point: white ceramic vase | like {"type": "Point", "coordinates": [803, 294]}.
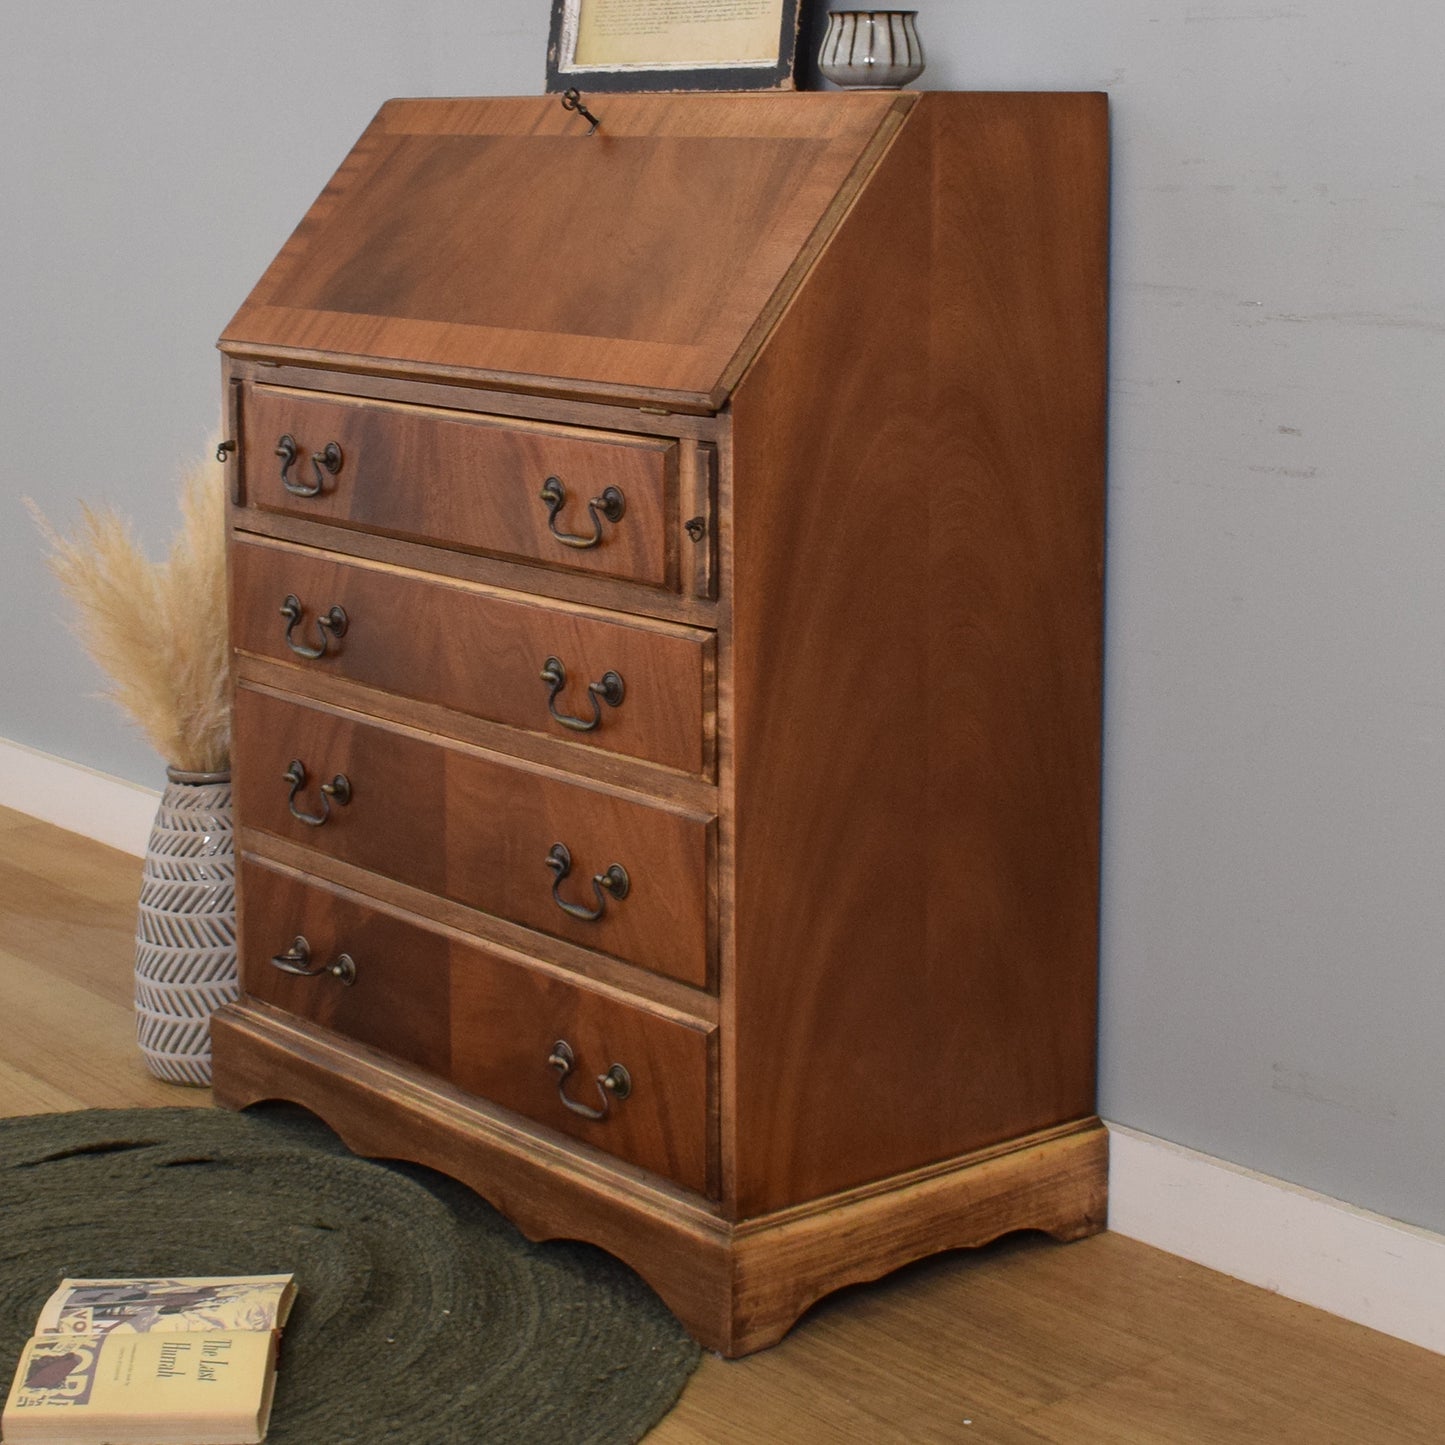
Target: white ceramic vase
{"type": "Point", "coordinates": [185, 961]}
{"type": "Point", "coordinates": [874, 49]}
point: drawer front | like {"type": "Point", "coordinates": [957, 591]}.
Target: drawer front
{"type": "Point", "coordinates": [473, 483]}
{"type": "Point", "coordinates": [481, 831]}
{"type": "Point", "coordinates": [483, 1019]}
{"type": "Point", "coordinates": [636, 690]}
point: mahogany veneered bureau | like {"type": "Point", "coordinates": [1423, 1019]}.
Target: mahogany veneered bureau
{"type": "Point", "coordinates": [666, 570]}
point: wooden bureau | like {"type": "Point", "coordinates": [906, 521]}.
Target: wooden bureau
{"type": "Point", "coordinates": [666, 580]}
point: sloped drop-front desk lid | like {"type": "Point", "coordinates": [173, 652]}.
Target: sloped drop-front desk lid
{"type": "Point", "coordinates": [495, 242]}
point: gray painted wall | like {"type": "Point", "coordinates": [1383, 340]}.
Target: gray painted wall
{"type": "Point", "coordinates": [1275, 794]}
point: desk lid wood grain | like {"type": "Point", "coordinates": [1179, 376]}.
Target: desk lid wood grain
{"type": "Point", "coordinates": [495, 241]}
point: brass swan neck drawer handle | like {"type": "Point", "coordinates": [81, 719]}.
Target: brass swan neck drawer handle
{"type": "Point", "coordinates": [613, 883]}
{"type": "Point", "coordinates": [297, 960]}
{"type": "Point", "coordinates": [610, 690]}
{"type": "Point", "coordinates": [616, 1083]}
{"type": "Point", "coordinates": [611, 504]}
{"type": "Point", "coordinates": [329, 458]}
{"type": "Point", "coordinates": [330, 625]}
{"type": "Point", "coordinates": [286, 450]}
{"type": "Point", "coordinates": [337, 790]}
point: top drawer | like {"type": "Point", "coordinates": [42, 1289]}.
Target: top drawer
{"type": "Point", "coordinates": [589, 501]}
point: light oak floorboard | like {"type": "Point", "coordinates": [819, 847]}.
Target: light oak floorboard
{"type": "Point", "coordinates": [1105, 1340]}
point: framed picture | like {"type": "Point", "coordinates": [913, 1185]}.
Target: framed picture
{"type": "Point", "coordinates": [672, 45]}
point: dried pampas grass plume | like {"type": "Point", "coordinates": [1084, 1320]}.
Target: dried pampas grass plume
{"type": "Point", "coordinates": [157, 629]}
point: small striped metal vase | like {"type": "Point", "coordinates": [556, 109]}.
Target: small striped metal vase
{"type": "Point", "coordinates": [185, 956]}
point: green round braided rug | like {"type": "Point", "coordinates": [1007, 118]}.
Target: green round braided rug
{"type": "Point", "coordinates": [421, 1316]}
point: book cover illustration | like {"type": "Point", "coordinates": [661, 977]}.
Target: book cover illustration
{"type": "Point", "coordinates": [140, 1306]}
{"type": "Point", "coordinates": [57, 1372]}
{"type": "Point", "coordinates": [155, 1371]}
{"type": "Point", "coordinates": [186, 1360]}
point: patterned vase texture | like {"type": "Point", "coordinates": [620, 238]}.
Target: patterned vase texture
{"type": "Point", "coordinates": [185, 958]}
{"type": "Point", "coordinates": [874, 49]}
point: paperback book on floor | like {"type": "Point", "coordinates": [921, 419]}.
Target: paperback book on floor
{"type": "Point", "coordinates": [151, 1361]}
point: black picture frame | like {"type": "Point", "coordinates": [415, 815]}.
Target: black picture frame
{"type": "Point", "coordinates": [563, 73]}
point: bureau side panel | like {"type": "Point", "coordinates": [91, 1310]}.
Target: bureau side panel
{"type": "Point", "coordinates": [913, 665]}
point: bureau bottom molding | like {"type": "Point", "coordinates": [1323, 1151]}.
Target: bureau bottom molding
{"type": "Point", "coordinates": [737, 1286]}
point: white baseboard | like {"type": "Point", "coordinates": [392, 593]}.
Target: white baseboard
{"type": "Point", "coordinates": [1300, 1244]}
{"type": "Point", "coordinates": [1305, 1246]}
{"type": "Point", "coordinates": [77, 798]}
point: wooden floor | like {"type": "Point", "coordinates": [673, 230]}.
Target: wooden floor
{"type": "Point", "coordinates": [1105, 1340]}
